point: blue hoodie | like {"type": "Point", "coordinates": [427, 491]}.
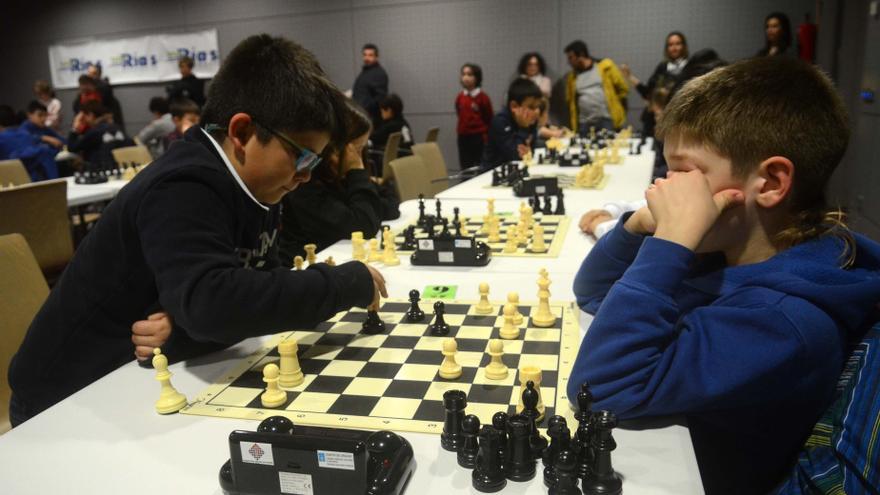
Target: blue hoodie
{"type": "Point", "coordinates": [750, 354]}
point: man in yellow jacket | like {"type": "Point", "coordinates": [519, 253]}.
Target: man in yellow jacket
{"type": "Point", "coordinates": [595, 91]}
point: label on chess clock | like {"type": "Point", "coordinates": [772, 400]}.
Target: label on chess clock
{"type": "Point", "coordinates": [445, 257]}
{"type": "Point", "coordinates": [295, 483]}
{"type": "Point", "coordinates": [540, 189]}
{"type": "Point", "coordinates": [336, 460]}
{"type": "Point", "coordinates": [426, 244]}
{"type": "Point", "coordinates": [257, 453]}
{"type": "Point", "coordinates": [463, 243]}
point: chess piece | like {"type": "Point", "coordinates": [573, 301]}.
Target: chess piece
{"type": "Point", "coordinates": [543, 317]}
{"type": "Point", "coordinates": [462, 228]}
{"type": "Point", "coordinates": [510, 245]}
{"type": "Point", "coordinates": [437, 205]}
{"type": "Point", "coordinates": [415, 313]}
{"type": "Point", "coordinates": [564, 469]}
{"type": "Point", "coordinates": [422, 217]}
{"type": "Point", "coordinates": [170, 400]}
{"type": "Point", "coordinates": [357, 246]}
{"type": "Point", "coordinates": [455, 218]}
{"type": "Point", "coordinates": [560, 206]}
{"type": "Point", "coordinates": [373, 324]}
{"type": "Point", "coordinates": [536, 202]}
{"type": "Point", "coordinates": [496, 369]}
{"type": "Point", "coordinates": [513, 298]}
{"type": "Point", "coordinates": [330, 261]}
{"type": "Point", "coordinates": [439, 327]}
{"type": "Point", "coordinates": [484, 307]}
{"type": "Point", "coordinates": [494, 230]}
{"type": "Point", "coordinates": [291, 375]}
{"type": "Point", "coordinates": [538, 245]}
{"type": "Point", "coordinates": [499, 422]}
{"type": "Point", "coordinates": [276, 424]}
{"type": "Point", "coordinates": [530, 410]}
{"type": "Point", "coordinates": [298, 263]}
{"type": "Point", "coordinates": [373, 253]}
{"type": "Point", "coordinates": [389, 254]}
{"type": "Point", "coordinates": [583, 437]}
{"type": "Point", "coordinates": [409, 238]}
{"type": "Point", "coordinates": [467, 454]}
{"type": "Point", "coordinates": [547, 210]}
{"type": "Point", "coordinates": [310, 253]}
{"type": "Point", "coordinates": [520, 462]}
{"type": "Point", "coordinates": [449, 369]}
{"type": "Point", "coordinates": [488, 475]}
{"type": "Point", "coordinates": [273, 396]}
{"type": "Point", "coordinates": [531, 374]}
{"type": "Point", "coordinates": [602, 480]}
{"type": "Point", "coordinates": [509, 330]}
{"type": "Point", "coordinates": [455, 402]}
{"type": "Point", "coordinates": [522, 233]}
{"type": "Point", "coordinates": [560, 440]}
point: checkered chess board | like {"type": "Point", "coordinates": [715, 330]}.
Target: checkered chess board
{"type": "Point", "coordinates": [390, 381]}
{"type": "Point", "coordinates": [566, 181]}
{"type": "Point", "coordinates": [555, 228]}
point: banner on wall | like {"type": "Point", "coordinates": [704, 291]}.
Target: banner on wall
{"type": "Point", "coordinates": [143, 59]}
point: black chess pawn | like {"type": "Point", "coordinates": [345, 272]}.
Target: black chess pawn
{"type": "Point", "coordinates": [584, 434]}
{"type": "Point", "coordinates": [454, 401]}
{"type": "Point", "coordinates": [560, 439]}
{"type": "Point", "coordinates": [373, 324]}
{"type": "Point", "coordinates": [560, 206]}
{"type": "Point", "coordinates": [496, 178]}
{"type": "Point", "coordinates": [415, 313]}
{"type": "Point", "coordinates": [439, 327]}
{"type": "Point", "coordinates": [488, 476]}
{"type": "Point", "coordinates": [409, 238]}
{"type": "Point", "coordinates": [602, 480]}
{"type": "Point", "coordinates": [499, 422]}
{"type": "Point", "coordinates": [537, 203]}
{"type": "Point", "coordinates": [467, 453]}
{"type": "Point", "coordinates": [437, 205]}
{"type": "Point", "coordinates": [421, 209]}
{"type": "Point", "coordinates": [530, 399]}
{"type": "Point", "coordinates": [547, 210]}
{"type": "Point", "coordinates": [429, 226]}
{"type": "Point", "coordinates": [520, 463]}
{"type": "Point", "coordinates": [455, 218]}
{"type": "Point", "coordinates": [565, 468]}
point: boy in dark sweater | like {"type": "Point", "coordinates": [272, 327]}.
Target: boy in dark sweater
{"type": "Point", "coordinates": [391, 109]}
{"type": "Point", "coordinates": [194, 236]}
{"type": "Point", "coordinates": [96, 144]}
{"type": "Point", "coordinates": [514, 129]}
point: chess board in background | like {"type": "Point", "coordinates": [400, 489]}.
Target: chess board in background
{"type": "Point", "coordinates": [389, 381]}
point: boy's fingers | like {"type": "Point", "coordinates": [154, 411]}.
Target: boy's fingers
{"type": "Point", "coordinates": [157, 316]}
{"type": "Point", "coordinates": [143, 327]}
{"type": "Point", "coordinates": [142, 352]}
{"type": "Point", "coordinates": [728, 198]}
{"type": "Point", "coordinates": [146, 340]}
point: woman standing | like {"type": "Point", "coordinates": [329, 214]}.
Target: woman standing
{"type": "Point", "coordinates": [777, 36]}
{"type": "Point", "coordinates": [532, 66]}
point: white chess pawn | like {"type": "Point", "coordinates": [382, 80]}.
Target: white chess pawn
{"type": "Point", "coordinates": [373, 253]}
{"type": "Point", "coordinates": [510, 245]}
{"type": "Point", "coordinates": [357, 245]}
{"type": "Point", "coordinates": [509, 330]}
{"type": "Point", "coordinates": [170, 400]}
{"type": "Point", "coordinates": [330, 261]}
{"type": "Point", "coordinates": [496, 369]}
{"type": "Point", "coordinates": [273, 396]}
{"type": "Point", "coordinates": [310, 253]}
{"type": "Point", "coordinates": [494, 230]}
{"type": "Point", "coordinates": [298, 262]}
{"type": "Point", "coordinates": [389, 255]}
{"type": "Point", "coordinates": [291, 374]}
{"type": "Point", "coordinates": [513, 298]}
{"type": "Point", "coordinates": [538, 245]}
{"type": "Point", "coordinates": [484, 307]}
{"type": "Point", "coordinates": [449, 370]}
{"type": "Point", "coordinates": [464, 230]}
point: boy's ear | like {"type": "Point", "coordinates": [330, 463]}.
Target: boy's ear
{"type": "Point", "coordinates": [240, 130]}
{"type": "Point", "coordinates": [777, 176]}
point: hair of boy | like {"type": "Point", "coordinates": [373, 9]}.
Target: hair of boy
{"type": "Point", "coordinates": [544, 104]}
{"type": "Point", "coordinates": [579, 48]}
{"type": "Point", "coordinates": [158, 105]}
{"type": "Point", "coordinates": [7, 116]}
{"type": "Point", "coordinates": [660, 96]}
{"type": "Point", "coordinates": [182, 106]}
{"type": "Point", "coordinates": [187, 61]}
{"type": "Point", "coordinates": [44, 88]}
{"type": "Point", "coordinates": [394, 103]}
{"type": "Point", "coordinates": [279, 84]}
{"type": "Point", "coordinates": [87, 79]}
{"type": "Point", "coordinates": [769, 106]}
{"type": "Point", "coordinates": [524, 62]}
{"type": "Point", "coordinates": [357, 123]}
{"type": "Point", "coordinates": [520, 89]}
{"type": "Point", "coordinates": [35, 106]}
{"type": "Point", "coordinates": [371, 46]}
{"type": "Point", "coordinates": [94, 107]}
{"type": "Point", "coordinates": [784, 25]}
{"type": "Point", "coordinates": [684, 45]}
{"type": "Point", "coordinates": [477, 71]}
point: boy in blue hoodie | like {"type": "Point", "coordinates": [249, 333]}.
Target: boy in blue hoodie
{"type": "Point", "coordinates": [733, 297]}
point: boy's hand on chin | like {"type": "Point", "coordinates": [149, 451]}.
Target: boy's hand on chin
{"type": "Point", "coordinates": [685, 208]}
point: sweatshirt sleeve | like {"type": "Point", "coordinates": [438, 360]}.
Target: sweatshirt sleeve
{"type": "Point", "coordinates": [359, 209]}
{"type": "Point", "coordinates": [187, 240]}
{"type": "Point", "coordinates": [643, 356]}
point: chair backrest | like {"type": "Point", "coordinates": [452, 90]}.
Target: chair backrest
{"type": "Point", "coordinates": [392, 148]}
{"type": "Point", "coordinates": [22, 292]}
{"type": "Point", "coordinates": [410, 178]}
{"type": "Point", "coordinates": [432, 135]}
{"type": "Point", "coordinates": [138, 155]}
{"type": "Point", "coordinates": [38, 211]}
{"type": "Point", "coordinates": [432, 157]}
{"type": "Point", "coordinates": [13, 171]}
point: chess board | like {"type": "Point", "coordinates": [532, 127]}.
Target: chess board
{"type": "Point", "coordinates": [390, 381]}
{"type": "Point", "coordinates": [566, 181]}
{"type": "Point", "coordinates": [555, 228]}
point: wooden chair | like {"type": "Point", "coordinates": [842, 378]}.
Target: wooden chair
{"type": "Point", "coordinates": [38, 211]}
{"type": "Point", "coordinates": [432, 157]}
{"type": "Point", "coordinates": [138, 155]}
{"type": "Point", "coordinates": [410, 178]}
{"type": "Point", "coordinates": [13, 172]}
{"type": "Point", "coordinates": [22, 292]}
{"type": "Point", "coordinates": [432, 135]}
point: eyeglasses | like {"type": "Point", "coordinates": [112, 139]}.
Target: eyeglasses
{"type": "Point", "coordinates": [307, 160]}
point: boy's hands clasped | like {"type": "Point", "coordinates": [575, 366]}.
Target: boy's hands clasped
{"type": "Point", "coordinates": [150, 333]}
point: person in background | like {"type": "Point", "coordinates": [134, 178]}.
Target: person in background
{"type": "Point", "coordinates": [184, 114]}
{"type": "Point", "coordinates": [102, 84]}
{"type": "Point", "coordinates": [474, 110]}
{"type": "Point", "coordinates": [371, 84]}
{"type": "Point", "coordinates": [96, 145]}
{"type": "Point", "coordinates": [777, 36]}
{"type": "Point", "coordinates": [188, 86]}
{"type": "Point", "coordinates": [666, 74]}
{"type": "Point", "coordinates": [514, 129]}
{"type": "Point", "coordinates": [153, 134]}
{"type": "Point", "coordinates": [46, 95]}
{"type": "Point", "coordinates": [88, 91]}
{"type": "Point", "coordinates": [391, 111]}
{"type": "Point", "coordinates": [546, 130]}
{"type": "Point", "coordinates": [532, 66]}
{"type": "Point", "coordinates": [35, 125]}
{"type": "Point", "coordinates": [17, 144]}
{"type": "Point", "coordinates": [595, 91]}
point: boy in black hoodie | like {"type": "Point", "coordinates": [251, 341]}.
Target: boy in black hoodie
{"type": "Point", "coordinates": [193, 236]}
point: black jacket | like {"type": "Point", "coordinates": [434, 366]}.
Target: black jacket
{"type": "Point", "coordinates": [183, 236]}
{"type": "Point", "coordinates": [504, 136]}
{"type": "Point", "coordinates": [369, 88]}
{"type": "Point", "coordinates": [187, 87]}
{"type": "Point", "coordinates": [661, 78]}
{"type": "Point", "coordinates": [379, 137]}
{"type": "Point", "coordinates": [323, 213]}
{"type": "Point", "coordinates": [97, 144]}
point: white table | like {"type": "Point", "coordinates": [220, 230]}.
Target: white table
{"type": "Point", "coordinates": [82, 194]}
